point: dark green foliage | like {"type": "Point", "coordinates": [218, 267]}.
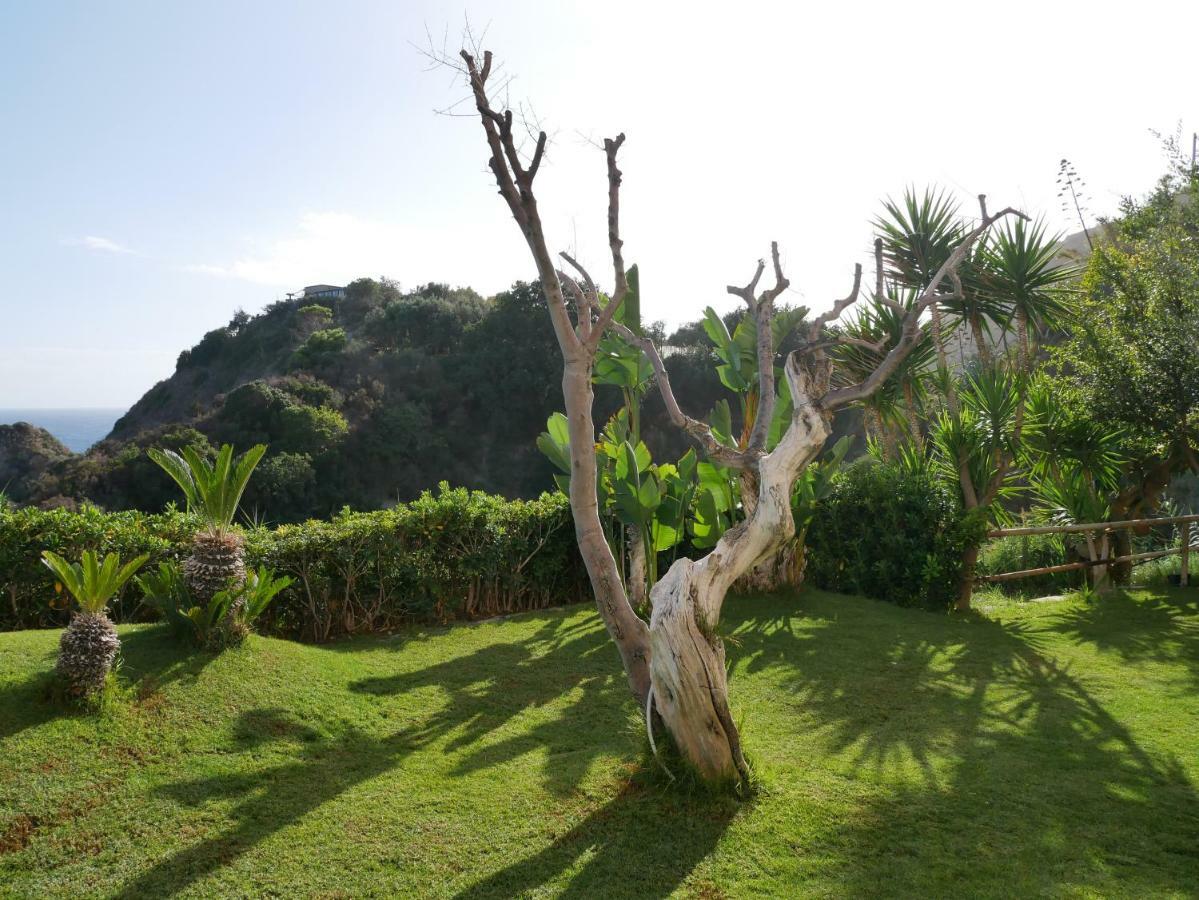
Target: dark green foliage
{"type": "Point", "coordinates": [27, 586]}
{"type": "Point", "coordinates": [454, 554]}
{"type": "Point", "coordinates": [1014, 554]}
{"type": "Point", "coordinates": [320, 348]}
{"type": "Point", "coordinates": [26, 452]}
{"type": "Point", "coordinates": [891, 534]}
{"type": "Point", "coordinates": [434, 319]}
{"type": "Point", "coordinates": [283, 483]}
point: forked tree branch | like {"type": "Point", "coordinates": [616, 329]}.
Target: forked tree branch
{"type": "Point", "coordinates": [839, 307]}
{"type": "Point", "coordinates": [762, 312]}
{"type": "Point", "coordinates": [516, 187]}
{"type": "Point", "coordinates": [714, 449]}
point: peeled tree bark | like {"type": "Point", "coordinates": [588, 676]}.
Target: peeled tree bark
{"type": "Point", "coordinates": [675, 663]}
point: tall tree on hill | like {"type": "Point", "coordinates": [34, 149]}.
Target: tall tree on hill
{"type": "Point", "coordinates": [675, 663]}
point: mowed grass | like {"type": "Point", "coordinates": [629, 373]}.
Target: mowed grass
{"type": "Point", "coordinates": [1043, 749]}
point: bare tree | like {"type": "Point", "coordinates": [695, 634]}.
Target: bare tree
{"type": "Point", "coordinates": [675, 663]}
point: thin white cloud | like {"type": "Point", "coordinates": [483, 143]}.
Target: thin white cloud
{"type": "Point", "coordinates": [103, 245]}
{"type": "Point", "coordinates": [328, 247]}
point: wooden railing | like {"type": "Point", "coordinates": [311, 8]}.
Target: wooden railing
{"type": "Point", "coordinates": [1099, 553]}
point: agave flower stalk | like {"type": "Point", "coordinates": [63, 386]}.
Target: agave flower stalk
{"type": "Point", "coordinates": [89, 645]}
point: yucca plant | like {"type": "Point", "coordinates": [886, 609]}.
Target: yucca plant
{"type": "Point", "coordinates": [90, 644]}
{"type": "Point", "coordinates": [213, 491]}
{"type": "Point", "coordinates": [1024, 274]}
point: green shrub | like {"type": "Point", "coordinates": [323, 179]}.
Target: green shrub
{"type": "Point", "coordinates": [227, 617]}
{"type": "Point", "coordinates": [453, 554]}
{"type": "Point", "coordinates": [319, 347]}
{"type": "Point", "coordinates": [892, 535]}
{"type": "Point", "coordinates": [1013, 554]}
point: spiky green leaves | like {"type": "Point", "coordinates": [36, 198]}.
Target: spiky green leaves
{"type": "Point", "coordinates": [213, 489]}
{"type": "Point", "coordinates": [92, 582]}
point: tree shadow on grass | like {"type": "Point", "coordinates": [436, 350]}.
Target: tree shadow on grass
{"type": "Point", "coordinates": [270, 800]}
{"type": "Point", "coordinates": [153, 657]}
{"type": "Point", "coordinates": [1028, 784]}
{"type": "Point", "coordinates": [150, 658]}
{"type": "Point", "coordinates": [641, 844]}
{"type": "Point", "coordinates": [489, 688]}
{"type": "Point", "coordinates": [640, 838]}
{"type": "Point", "coordinates": [30, 703]}
{"type": "Point", "coordinates": [1163, 627]}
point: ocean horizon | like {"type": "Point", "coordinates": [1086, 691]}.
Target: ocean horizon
{"type": "Point", "coordinates": [77, 428]}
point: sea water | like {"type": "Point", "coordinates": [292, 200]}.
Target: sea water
{"type": "Point", "coordinates": [77, 428]}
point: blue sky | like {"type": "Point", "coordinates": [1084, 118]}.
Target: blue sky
{"type": "Point", "coordinates": [167, 163]}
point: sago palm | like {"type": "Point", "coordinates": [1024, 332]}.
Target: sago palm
{"type": "Point", "coordinates": [89, 645]}
{"type": "Point", "coordinates": [213, 491]}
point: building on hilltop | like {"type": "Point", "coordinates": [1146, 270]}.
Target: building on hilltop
{"type": "Point", "coordinates": [324, 292]}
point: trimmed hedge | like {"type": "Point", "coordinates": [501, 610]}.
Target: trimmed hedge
{"type": "Point", "coordinates": [891, 535]}
{"type": "Point", "coordinates": [456, 554]}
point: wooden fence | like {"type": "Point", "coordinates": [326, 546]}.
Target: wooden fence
{"type": "Point", "coordinates": [1098, 536]}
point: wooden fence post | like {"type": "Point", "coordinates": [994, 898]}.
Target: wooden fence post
{"type": "Point", "coordinates": [1185, 569]}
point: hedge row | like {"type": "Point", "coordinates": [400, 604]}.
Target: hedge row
{"type": "Point", "coordinates": [454, 554]}
{"type": "Point", "coordinates": [460, 554]}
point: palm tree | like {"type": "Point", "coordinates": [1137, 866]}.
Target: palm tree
{"type": "Point", "coordinates": [1023, 275]}
{"type": "Point", "coordinates": [213, 492]}
{"type": "Point", "coordinates": [89, 644]}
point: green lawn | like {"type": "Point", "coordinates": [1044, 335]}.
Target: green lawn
{"type": "Point", "coordinates": [1038, 749]}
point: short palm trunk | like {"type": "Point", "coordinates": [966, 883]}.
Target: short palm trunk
{"type": "Point", "coordinates": [217, 561]}
{"type": "Point", "coordinates": [87, 651]}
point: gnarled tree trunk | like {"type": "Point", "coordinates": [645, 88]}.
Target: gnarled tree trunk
{"type": "Point", "coordinates": [675, 664]}
{"type": "Point", "coordinates": [690, 691]}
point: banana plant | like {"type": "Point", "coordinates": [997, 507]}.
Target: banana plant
{"type": "Point", "coordinates": [650, 501]}
{"type": "Point", "coordinates": [737, 369]}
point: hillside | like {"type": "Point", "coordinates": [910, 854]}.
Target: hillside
{"type": "Point", "coordinates": [366, 400]}
{"type": "Point", "coordinates": [1045, 750]}
{"type": "Point", "coordinates": [26, 454]}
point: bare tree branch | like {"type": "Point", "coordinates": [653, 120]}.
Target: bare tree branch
{"type": "Point", "coordinates": [839, 307]}
{"type": "Point", "coordinates": [582, 305]}
{"type": "Point", "coordinates": [763, 313]}
{"type": "Point", "coordinates": [615, 244]}
{"type": "Point", "coordinates": [714, 449]}
{"type": "Point", "coordinates": [747, 293]}
{"type": "Point", "coordinates": [516, 187]}
{"type": "Point", "coordinates": [911, 323]}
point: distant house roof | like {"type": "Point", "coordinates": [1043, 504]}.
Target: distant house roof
{"type": "Point", "coordinates": [322, 289]}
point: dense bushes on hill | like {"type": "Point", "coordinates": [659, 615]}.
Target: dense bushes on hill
{"type": "Point", "coordinates": [369, 399]}
{"type": "Point", "coordinates": [453, 554]}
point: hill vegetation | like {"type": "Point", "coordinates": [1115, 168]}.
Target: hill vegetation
{"type": "Point", "coordinates": [363, 401]}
